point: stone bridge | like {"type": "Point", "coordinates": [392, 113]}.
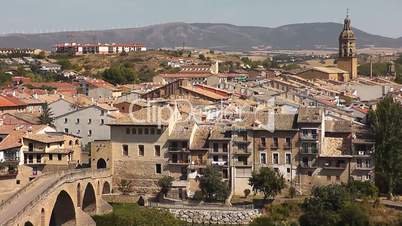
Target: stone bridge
{"type": "Point", "coordinates": [64, 198]}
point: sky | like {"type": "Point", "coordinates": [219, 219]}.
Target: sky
{"type": "Point", "coordinates": [382, 17]}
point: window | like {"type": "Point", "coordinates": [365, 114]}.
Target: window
{"type": "Point", "coordinates": [216, 147]}
{"type": "Point", "coordinates": [89, 133]}
{"type": "Point", "coordinates": [314, 148]}
{"type": "Point", "coordinates": [102, 112]}
{"type": "Point", "coordinates": [141, 150]}
{"type": "Point", "coordinates": [309, 173]}
{"type": "Point", "coordinates": [89, 121]}
{"type": "Point", "coordinates": [125, 149]}
{"type": "Point", "coordinates": [77, 142]}
{"type": "Point", "coordinates": [78, 131]}
{"type": "Point", "coordinates": [288, 142]}
{"type": "Point", "coordinates": [139, 130]}
{"type": "Point", "coordinates": [152, 131]}
{"type": "Point", "coordinates": [127, 130]}
{"type": "Point", "coordinates": [70, 143]}
{"type": "Point", "coordinates": [60, 144]}
{"type": "Point", "coordinates": [102, 121]}
{"type": "Point", "coordinates": [216, 158]}
{"type": "Point", "coordinates": [66, 130]}
{"type": "Point", "coordinates": [134, 130]}
{"type": "Point", "coordinates": [338, 178]}
{"type": "Point", "coordinates": [157, 150]}
{"type": "Point", "coordinates": [275, 158]}
{"type": "Point", "coordinates": [50, 156]}
{"type": "Point", "coordinates": [158, 168]}
{"type": "Point", "coordinates": [59, 157]}
{"type": "Point", "coordinates": [305, 162]}
{"type": "Point", "coordinates": [275, 142]}
{"type": "Point", "coordinates": [146, 131]}
{"type": "Point", "coordinates": [288, 158]}
{"type": "Point", "coordinates": [159, 131]}
{"type": "Point", "coordinates": [48, 145]}
{"type": "Point", "coordinates": [65, 120]}
{"type": "Point", "coordinates": [77, 121]}
{"type": "Point", "coordinates": [263, 158]}
{"type": "Point", "coordinates": [38, 158]}
{"type": "Point", "coordinates": [263, 142]}
{"type": "Point", "coordinates": [225, 148]}
{"type": "Point", "coordinates": [288, 170]}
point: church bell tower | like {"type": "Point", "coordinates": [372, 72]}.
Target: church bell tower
{"type": "Point", "coordinates": [347, 59]}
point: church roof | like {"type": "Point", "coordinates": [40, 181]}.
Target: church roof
{"type": "Point", "coordinates": [330, 70]}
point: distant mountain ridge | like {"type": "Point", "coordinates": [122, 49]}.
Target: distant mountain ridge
{"type": "Point", "coordinates": [208, 35]}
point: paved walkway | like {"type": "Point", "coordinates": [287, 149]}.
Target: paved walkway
{"type": "Point", "coordinates": [11, 208]}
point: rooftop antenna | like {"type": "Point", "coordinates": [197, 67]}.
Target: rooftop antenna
{"type": "Point", "coordinates": [347, 12]}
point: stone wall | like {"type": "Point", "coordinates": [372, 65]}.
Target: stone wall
{"type": "Point", "coordinates": [202, 216]}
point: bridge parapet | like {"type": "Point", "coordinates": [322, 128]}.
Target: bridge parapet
{"type": "Point", "coordinates": [63, 177]}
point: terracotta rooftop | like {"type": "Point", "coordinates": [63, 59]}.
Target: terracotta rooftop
{"type": "Point", "coordinates": [45, 138]}
{"type": "Point", "coordinates": [309, 115]}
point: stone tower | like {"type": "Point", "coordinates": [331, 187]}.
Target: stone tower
{"type": "Point", "coordinates": [347, 59]}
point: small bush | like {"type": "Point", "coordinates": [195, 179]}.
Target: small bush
{"type": "Point", "coordinates": [246, 192]}
{"type": "Point", "coordinates": [198, 196]}
{"type": "Point", "coordinates": [292, 192]}
{"type": "Point", "coordinates": [125, 187]}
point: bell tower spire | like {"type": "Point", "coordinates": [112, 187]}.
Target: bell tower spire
{"type": "Point", "coordinates": [347, 48]}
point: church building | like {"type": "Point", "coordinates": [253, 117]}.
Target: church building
{"type": "Point", "coordinates": [346, 69]}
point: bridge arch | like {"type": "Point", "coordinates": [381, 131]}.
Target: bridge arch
{"type": "Point", "coordinates": [89, 201]}
{"type": "Point", "coordinates": [63, 212]}
{"type": "Point", "coordinates": [101, 164]}
{"type": "Point", "coordinates": [106, 188]}
{"type": "Point", "coordinates": [28, 223]}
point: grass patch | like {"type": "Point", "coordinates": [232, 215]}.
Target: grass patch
{"type": "Point", "coordinates": [133, 215]}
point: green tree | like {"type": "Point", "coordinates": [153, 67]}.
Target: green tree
{"type": "Point", "coordinates": [212, 185]}
{"type": "Point", "coordinates": [202, 57]}
{"type": "Point", "coordinates": [4, 79]}
{"type": "Point", "coordinates": [362, 189]}
{"type": "Point", "coordinates": [120, 74]}
{"type": "Point", "coordinates": [353, 214]}
{"type": "Point", "coordinates": [386, 124]}
{"type": "Point", "coordinates": [267, 181]}
{"type": "Point", "coordinates": [46, 117]}
{"type": "Point", "coordinates": [165, 184]}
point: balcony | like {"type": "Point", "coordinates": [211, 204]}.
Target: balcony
{"type": "Point", "coordinates": [309, 151]}
{"type": "Point", "coordinates": [11, 160]}
{"type": "Point", "coordinates": [309, 137]}
{"type": "Point", "coordinates": [334, 167]}
{"type": "Point", "coordinates": [241, 152]}
{"type": "Point", "coordinates": [34, 150]}
{"type": "Point", "coordinates": [262, 147]}
{"type": "Point", "coordinates": [274, 146]}
{"type": "Point", "coordinates": [240, 139]}
{"type": "Point", "coordinates": [363, 154]}
{"type": "Point", "coordinates": [179, 162]}
{"type": "Point", "coordinates": [242, 163]}
{"type": "Point", "coordinates": [178, 150]}
{"type": "Point", "coordinates": [364, 167]}
{"type": "Point", "coordinates": [219, 163]}
{"type": "Point", "coordinates": [287, 147]}
{"type": "Point", "coordinates": [309, 165]}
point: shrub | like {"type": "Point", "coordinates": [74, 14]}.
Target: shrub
{"type": "Point", "coordinates": [292, 192]}
{"type": "Point", "coordinates": [267, 181]}
{"type": "Point", "coordinates": [362, 189]}
{"type": "Point", "coordinates": [247, 192]}
{"type": "Point", "coordinates": [212, 186]}
{"type": "Point", "coordinates": [198, 196]}
{"type": "Point", "coordinates": [125, 187]}
{"type": "Point", "coordinates": [263, 221]}
{"type": "Point", "coordinates": [353, 215]}
{"type": "Point", "coordinates": [165, 184]}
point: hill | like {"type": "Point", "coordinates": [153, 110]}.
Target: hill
{"type": "Point", "coordinates": [209, 35]}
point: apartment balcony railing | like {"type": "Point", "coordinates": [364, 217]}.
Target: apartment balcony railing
{"type": "Point", "coordinates": [241, 152]}
{"type": "Point", "coordinates": [178, 149]}
{"type": "Point", "coordinates": [309, 165]}
{"type": "Point", "coordinates": [242, 163]}
{"type": "Point", "coordinates": [179, 162]}
{"type": "Point", "coordinates": [309, 151]}
{"type": "Point", "coordinates": [274, 146]}
{"type": "Point", "coordinates": [10, 160]}
{"type": "Point", "coordinates": [364, 167]}
{"type": "Point", "coordinates": [335, 167]}
{"type": "Point", "coordinates": [219, 163]}
{"type": "Point", "coordinates": [240, 139]}
{"type": "Point", "coordinates": [309, 137]}
{"type": "Point", "coordinates": [8, 173]}
{"type": "Point", "coordinates": [34, 150]}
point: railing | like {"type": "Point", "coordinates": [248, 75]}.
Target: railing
{"type": "Point", "coordinates": [309, 136]}
{"type": "Point", "coordinates": [178, 149]}
{"type": "Point", "coordinates": [64, 177]}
